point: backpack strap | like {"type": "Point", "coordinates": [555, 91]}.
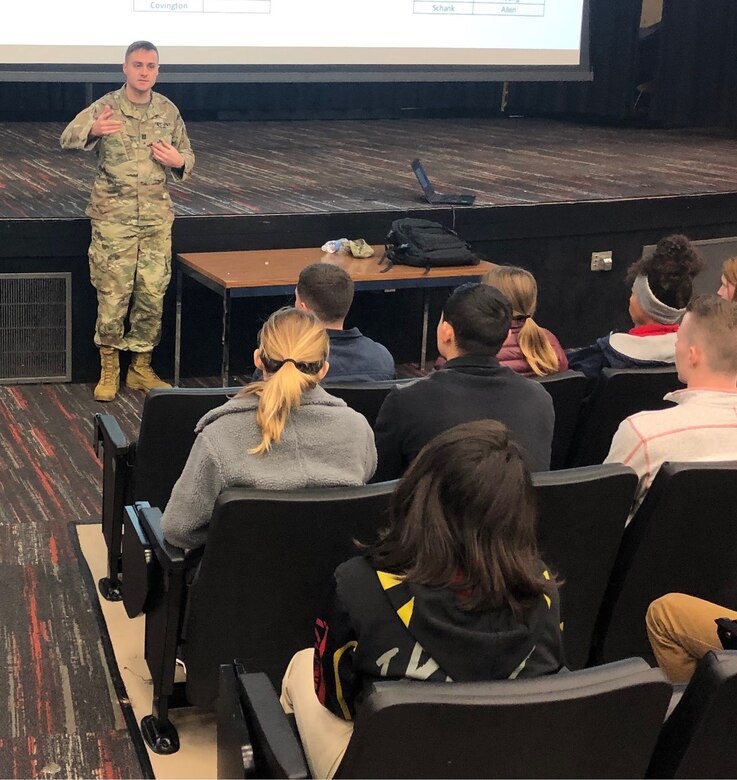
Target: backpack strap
{"type": "Point", "coordinates": [386, 259]}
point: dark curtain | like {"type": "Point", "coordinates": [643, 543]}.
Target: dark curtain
{"type": "Point", "coordinates": [696, 83]}
{"type": "Point", "coordinates": [614, 27]}
{"type": "Point", "coordinates": [60, 102]}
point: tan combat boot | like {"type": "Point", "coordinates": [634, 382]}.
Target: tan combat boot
{"type": "Point", "coordinates": [140, 374]}
{"type": "Point", "coordinates": [107, 388]}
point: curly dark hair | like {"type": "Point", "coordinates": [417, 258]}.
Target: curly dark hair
{"type": "Point", "coordinates": [670, 270]}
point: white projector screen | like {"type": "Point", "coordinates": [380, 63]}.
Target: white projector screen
{"type": "Point", "coordinates": [311, 36]}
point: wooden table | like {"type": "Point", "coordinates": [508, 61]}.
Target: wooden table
{"type": "Point", "coordinates": [265, 272]}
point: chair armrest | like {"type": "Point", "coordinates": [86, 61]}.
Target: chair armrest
{"type": "Point", "coordinates": [116, 454]}
{"type": "Point", "coordinates": [108, 436]}
{"type": "Point", "coordinates": [137, 561]}
{"type": "Point", "coordinates": [170, 557]}
{"type": "Point", "coordinates": [277, 750]}
{"type": "Point", "coordinates": [234, 744]}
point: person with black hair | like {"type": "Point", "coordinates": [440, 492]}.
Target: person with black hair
{"type": "Point", "coordinates": [662, 286]}
{"type": "Point", "coordinates": [454, 590]}
{"type": "Point", "coordinates": [471, 385]}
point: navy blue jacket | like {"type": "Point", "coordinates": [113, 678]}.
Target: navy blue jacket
{"type": "Point", "coordinates": [356, 358]}
{"type": "Point", "coordinates": [626, 350]}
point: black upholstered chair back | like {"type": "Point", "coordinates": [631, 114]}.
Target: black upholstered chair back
{"type": "Point", "coordinates": [618, 393]}
{"type": "Point", "coordinates": [567, 389]}
{"type": "Point", "coordinates": [364, 397]}
{"type": "Point", "coordinates": [600, 722]}
{"type": "Point", "coordinates": [166, 437]}
{"type": "Point", "coordinates": [683, 539]}
{"type": "Point", "coordinates": [699, 737]}
{"type": "Point", "coordinates": [581, 517]}
{"type": "Point", "coordinates": [264, 575]}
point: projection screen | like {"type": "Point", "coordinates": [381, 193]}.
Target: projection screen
{"type": "Point", "coordinates": [238, 40]}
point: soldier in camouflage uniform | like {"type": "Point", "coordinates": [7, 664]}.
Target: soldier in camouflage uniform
{"type": "Point", "coordinates": [139, 137]}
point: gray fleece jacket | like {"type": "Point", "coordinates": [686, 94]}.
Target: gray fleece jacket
{"type": "Point", "coordinates": [324, 444]}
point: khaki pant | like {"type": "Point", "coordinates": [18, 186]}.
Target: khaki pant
{"type": "Point", "coordinates": [324, 736]}
{"type": "Point", "coordinates": [130, 267]}
{"type": "Point", "coordinates": [681, 630]}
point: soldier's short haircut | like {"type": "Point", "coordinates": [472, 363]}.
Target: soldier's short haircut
{"type": "Point", "coordinates": [715, 320]}
{"type": "Point", "coordinates": [136, 45]}
{"type": "Point", "coordinates": [327, 290]}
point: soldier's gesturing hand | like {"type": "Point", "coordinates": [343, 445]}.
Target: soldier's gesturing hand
{"type": "Point", "coordinates": [105, 124]}
{"type": "Point", "coordinates": [167, 155]}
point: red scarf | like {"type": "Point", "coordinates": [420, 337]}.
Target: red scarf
{"type": "Point", "coordinates": [654, 329]}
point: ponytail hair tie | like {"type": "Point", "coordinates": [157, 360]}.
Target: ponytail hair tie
{"type": "Point", "coordinates": [272, 366]}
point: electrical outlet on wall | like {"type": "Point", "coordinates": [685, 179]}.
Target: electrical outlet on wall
{"type": "Point", "coordinates": [601, 261]}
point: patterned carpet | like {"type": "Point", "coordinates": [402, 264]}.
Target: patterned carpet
{"type": "Point", "coordinates": [60, 716]}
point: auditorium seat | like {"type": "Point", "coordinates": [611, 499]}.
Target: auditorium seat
{"type": "Point", "coordinates": [567, 389]}
{"type": "Point", "coordinates": [600, 722]}
{"type": "Point", "coordinates": [683, 539]}
{"type": "Point", "coordinates": [698, 739]}
{"type": "Point", "coordinates": [581, 518]}
{"type": "Point", "coordinates": [616, 394]}
{"type": "Point", "coordinates": [364, 397]}
{"type": "Point", "coordinates": [147, 468]}
{"type": "Point", "coordinates": [262, 578]}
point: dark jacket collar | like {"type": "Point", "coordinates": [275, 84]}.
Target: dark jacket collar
{"type": "Point", "coordinates": [472, 361]}
{"type": "Point", "coordinates": [343, 335]}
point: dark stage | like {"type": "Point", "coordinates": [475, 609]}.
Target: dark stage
{"type": "Point", "coordinates": [548, 194]}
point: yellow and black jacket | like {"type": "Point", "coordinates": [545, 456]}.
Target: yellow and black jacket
{"type": "Point", "coordinates": [378, 626]}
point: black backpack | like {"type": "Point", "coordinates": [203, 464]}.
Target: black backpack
{"type": "Point", "coordinates": [425, 244]}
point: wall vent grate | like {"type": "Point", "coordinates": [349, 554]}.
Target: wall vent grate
{"type": "Point", "coordinates": [35, 328]}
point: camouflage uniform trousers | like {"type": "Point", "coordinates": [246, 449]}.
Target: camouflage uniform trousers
{"type": "Point", "coordinates": [129, 262]}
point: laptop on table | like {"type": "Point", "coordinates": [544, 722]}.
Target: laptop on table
{"type": "Point", "coordinates": [436, 197]}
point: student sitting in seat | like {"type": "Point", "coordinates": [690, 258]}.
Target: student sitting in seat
{"type": "Point", "coordinates": [681, 630]}
{"type": "Point", "coordinates": [729, 280]}
{"type": "Point", "coordinates": [703, 424]}
{"type": "Point", "coordinates": [454, 590]}
{"type": "Point", "coordinates": [470, 386]}
{"type": "Point", "coordinates": [326, 290]}
{"type": "Point", "coordinates": [281, 433]}
{"type": "Point", "coordinates": [661, 288]}
{"type": "Point", "coordinates": [528, 349]}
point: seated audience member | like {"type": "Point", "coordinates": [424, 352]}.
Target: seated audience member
{"type": "Point", "coordinates": [729, 280]}
{"type": "Point", "coordinates": [661, 288]}
{"type": "Point", "coordinates": [703, 425]}
{"type": "Point", "coordinates": [326, 290]}
{"type": "Point", "coordinates": [528, 349]}
{"type": "Point", "coordinates": [281, 433]}
{"type": "Point", "coordinates": [470, 386]}
{"type": "Point", "coordinates": [454, 590]}
{"type": "Point", "coordinates": [681, 630]}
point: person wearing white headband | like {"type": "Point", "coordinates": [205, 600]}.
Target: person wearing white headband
{"type": "Point", "coordinates": [662, 285]}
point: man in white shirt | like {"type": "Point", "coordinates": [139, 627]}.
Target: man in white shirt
{"type": "Point", "coordinates": [703, 424]}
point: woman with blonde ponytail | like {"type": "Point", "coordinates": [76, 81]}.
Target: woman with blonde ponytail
{"type": "Point", "coordinates": [728, 288]}
{"type": "Point", "coordinates": [281, 433]}
{"type": "Point", "coordinates": [528, 349]}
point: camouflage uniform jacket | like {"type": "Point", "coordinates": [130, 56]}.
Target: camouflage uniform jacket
{"type": "Point", "coordinates": [130, 187]}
